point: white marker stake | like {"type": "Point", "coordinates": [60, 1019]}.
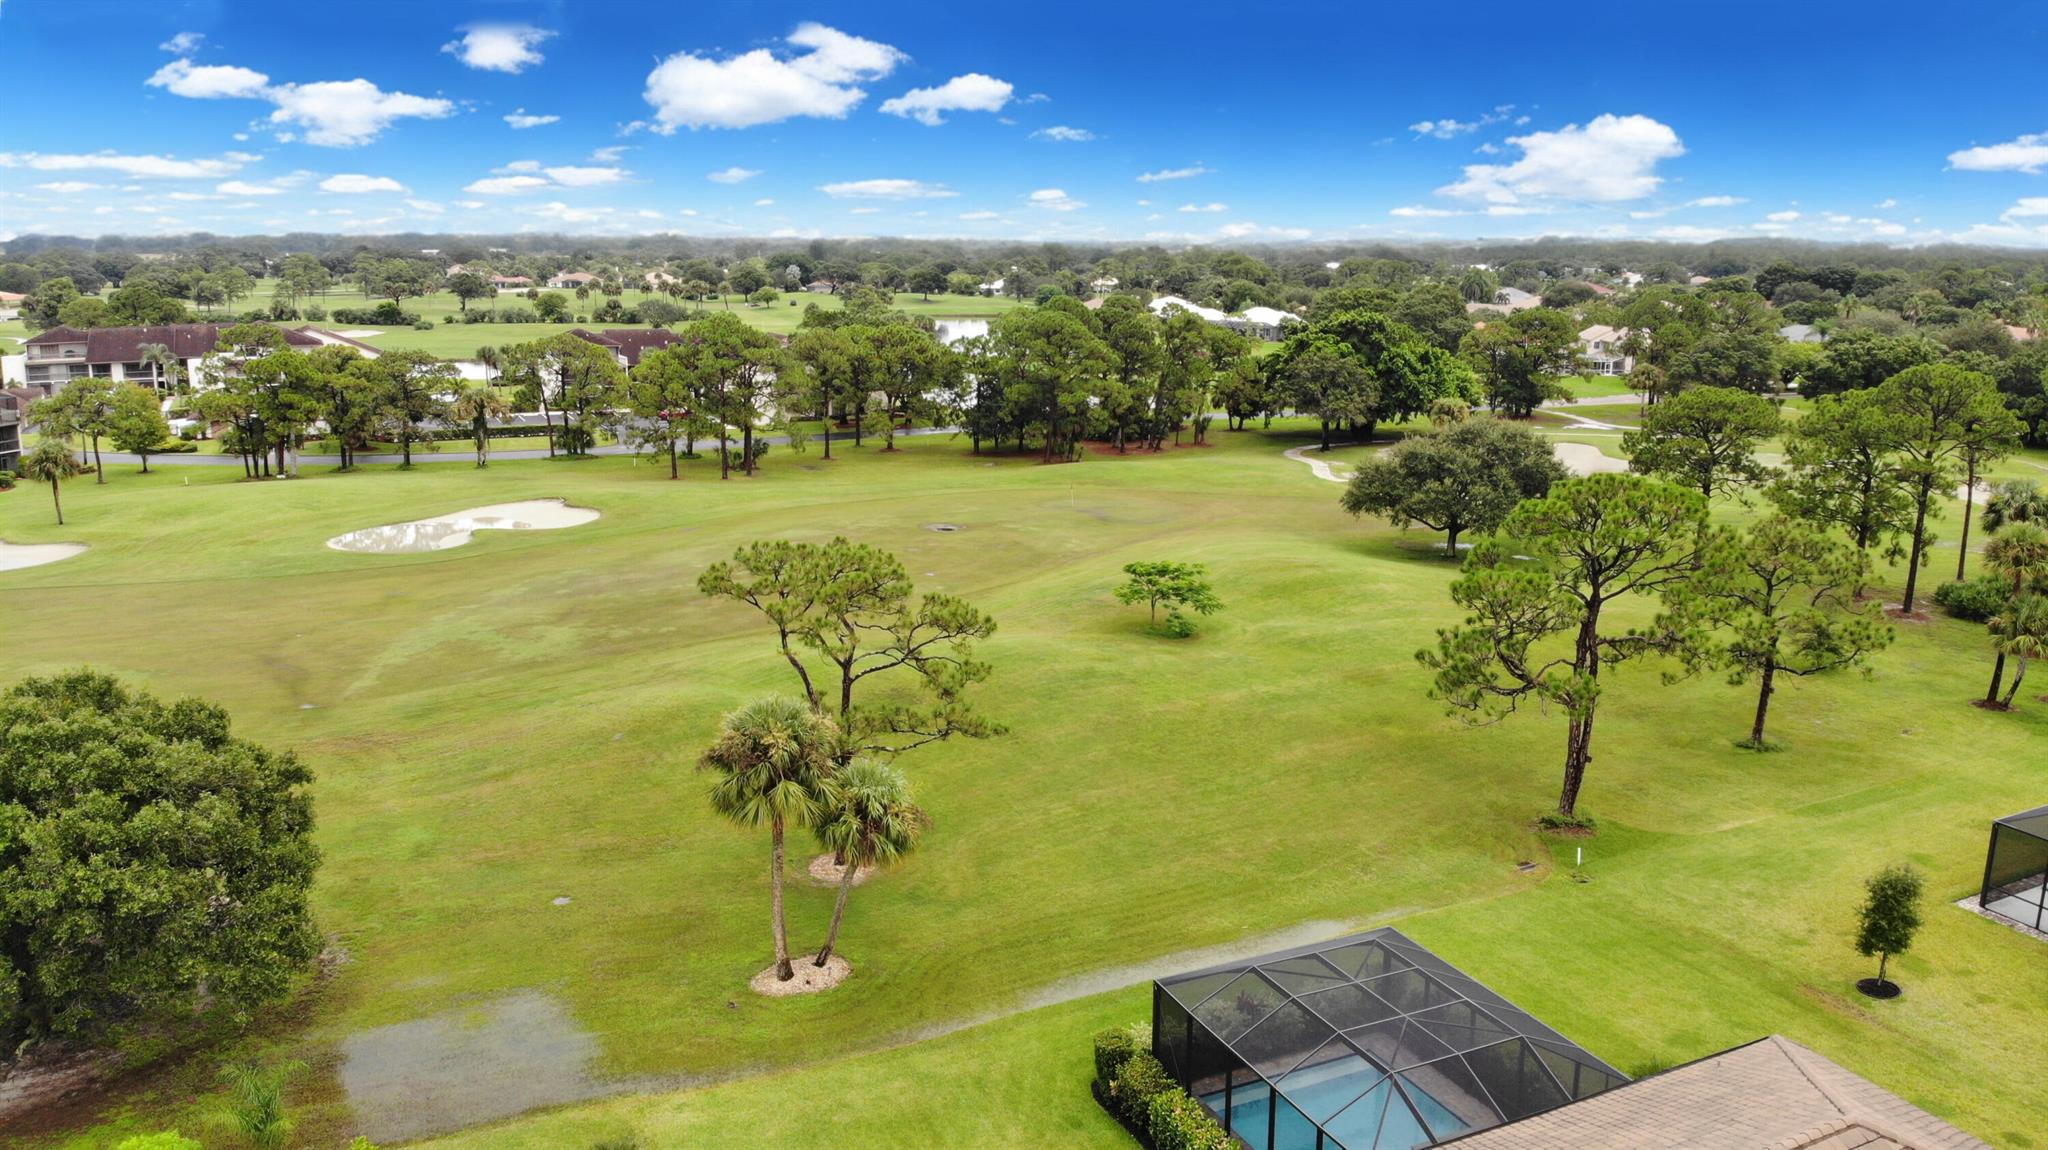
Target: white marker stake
{"type": "Point", "coordinates": [1581, 857]}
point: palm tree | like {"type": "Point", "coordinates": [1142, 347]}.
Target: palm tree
{"type": "Point", "coordinates": [51, 462]}
{"type": "Point", "coordinates": [165, 363]}
{"type": "Point", "coordinates": [479, 405]}
{"type": "Point", "coordinates": [488, 356]}
{"type": "Point", "coordinates": [873, 822]}
{"type": "Point", "coordinates": [775, 759]}
{"type": "Point", "coordinates": [2014, 501]}
{"type": "Point", "coordinates": [256, 1103]}
{"type": "Point", "coordinates": [2018, 553]}
{"type": "Point", "coordinates": [2021, 630]}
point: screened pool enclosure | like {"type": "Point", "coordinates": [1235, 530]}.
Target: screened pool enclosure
{"type": "Point", "coordinates": [1362, 1043]}
{"type": "Point", "coordinates": [2016, 869]}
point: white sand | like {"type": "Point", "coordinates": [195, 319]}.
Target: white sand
{"type": "Point", "coordinates": [453, 530]}
{"type": "Point", "coordinates": [15, 556]}
{"type": "Point", "coordinates": [359, 333]}
{"type": "Point", "coordinates": [1586, 459]}
{"type": "Point", "coordinates": [808, 977]}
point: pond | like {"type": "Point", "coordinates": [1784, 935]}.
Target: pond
{"type": "Point", "coordinates": [952, 331]}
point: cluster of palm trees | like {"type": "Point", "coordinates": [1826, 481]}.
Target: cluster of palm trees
{"type": "Point", "coordinates": [778, 761]}
{"type": "Point", "coordinates": [2018, 557]}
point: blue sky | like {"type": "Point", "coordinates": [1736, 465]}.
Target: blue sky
{"type": "Point", "coordinates": [1177, 121]}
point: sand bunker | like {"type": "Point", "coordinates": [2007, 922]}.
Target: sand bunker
{"type": "Point", "coordinates": [445, 531]}
{"type": "Point", "coordinates": [1585, 459]}
{"type": "Point", "coordinates": [15, 556]}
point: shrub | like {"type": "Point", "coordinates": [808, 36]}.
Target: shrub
{"type": "Point", "coordinates": [518, 315]}
{"type": "Point", "coordinates": [314, 312]}
{"type": "Point", "coordinates": [6, 480]}
{"type": "Point", "coordinates": [1114, 1047]}
{"type": "Point", "coordinates": [1177, 626]}
{"type": "Point", "coordinates": [1178, 1122]}
{"type": "Point", "coordinates": [1975, 600]}
{"type": "Point", "coordinates": [1137, 1082]}
{"type": "Point", "coordinates": [384, 314]}
{"type": "Point", "coordinates": [1552, 821]}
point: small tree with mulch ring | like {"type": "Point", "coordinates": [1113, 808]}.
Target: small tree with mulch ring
{"type": "Point", "coordinates": [1887, 923]}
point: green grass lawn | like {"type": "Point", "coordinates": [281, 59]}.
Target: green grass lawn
{"type": "Point", "coordinates": [516, 720]}
{"type": "Point", "coordinates": [1593, 386]}
{"type": "Point", "coordinates": [450, 338]}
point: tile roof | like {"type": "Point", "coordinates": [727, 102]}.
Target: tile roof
{"type": "Point", "coordinates": [630, 342]}
{"type": "Point", "coordinates": [124, 344]}
{"type": "Point", "coordinates": [1772, 1094]}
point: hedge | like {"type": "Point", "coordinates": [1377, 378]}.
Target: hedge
{"type": "Point", "coordinates": [1137, 1082]}
{"type": "Point", "coordinates": [1114, 1047]}
{"type": "Point", "coordinates": [1976, 600]}
{"type": "Point", "coordinates": [1178, 1122]}
{"type": "Point", "coordinates": [1132, 1085]}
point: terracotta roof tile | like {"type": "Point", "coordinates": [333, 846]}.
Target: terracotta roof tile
{"type": "Point", "coordinates": [1772, 1094]}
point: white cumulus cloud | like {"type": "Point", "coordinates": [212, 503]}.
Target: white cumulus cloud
{"type": "Point", "coordinates": [355, 184]}
{"type": "Point", "coordinates": [1055, 200]}
{"type": "Point", "coordinates": [520, 119]}
{"type": "Point", "coordinates": [506, 185]}
{"type": "Point", "coordinates": [332, 113]}
{"type": "Point", "coordinates": [760, 87]}
{"type": "Point", "coordinates": [1063, 134]}
{"type": "Point", "coordinates": [208, 81]}
{"type": "Point", "coordinates": [981, 215]}
{"type": "Point", "coordinates": [1610, 158]}
{"type": "Point", "coordinates": [346, 113]}
{"type": "Point", "coordinates": [1173, 174]}
{"type": "Point", "coordinates": [2027, 154]}
{"type": "Point", "coordinates": [886, 190]}
{"type": "Point", "coordinates": [1212, 206]}
{"type": "Point", "coordinates": [183, 44]}
{"type": "Point", "coordinates": [585, 177]}
{"type": "Point", "coordinates": [499, 47]}
{"type": "Point", "coordinates": [140, 167]}
{"type": "Point", "coordinates": [732, 175]}
{"type": "Point", "coordinates": [973, 92]}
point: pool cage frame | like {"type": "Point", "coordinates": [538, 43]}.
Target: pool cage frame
{"type": "Point", "coordinates": [2016, 870]}
{"type": "Point", "coordinates": [1261, 1035]}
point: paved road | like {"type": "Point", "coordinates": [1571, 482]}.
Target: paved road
{"type": "Point", "coordinates": [457, 451]}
